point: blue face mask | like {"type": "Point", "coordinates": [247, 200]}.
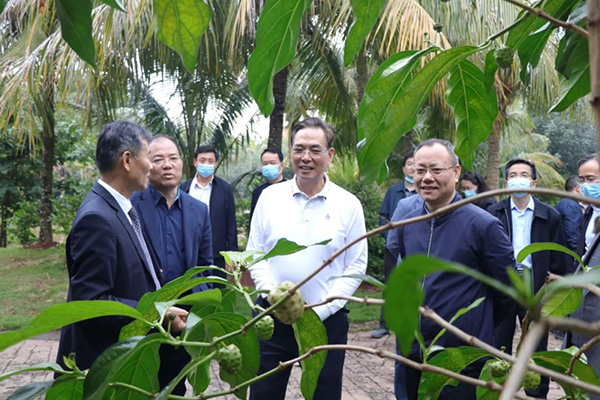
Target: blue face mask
{"type": "Point", "coordinates": [590, 190]}
{"type": "Point", "coordinates": [409, 179]}
{"type": "Point", "coordinates": [469, 193]}
{"type": "Point", "coordinates": [270, 171]}
{"type": "Point", "coordinates": [519, 183]}
{"type": "Point", "coordinates": [205, 170]}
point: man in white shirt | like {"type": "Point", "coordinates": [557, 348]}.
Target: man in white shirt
{"type": "Point", "coordinates": [308, 209]}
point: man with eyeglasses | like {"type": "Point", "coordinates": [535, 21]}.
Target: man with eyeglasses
{"type": "Point", "coordinates": [528, 220]}
{"type": "Point", "coordinates": [308, 209]}
{"type": "Point", "coordinates": [178, 228]}
{"type": "Point", "coordinates": [467, 235]}
{"type": "Point", "coordinates": [589, 182]}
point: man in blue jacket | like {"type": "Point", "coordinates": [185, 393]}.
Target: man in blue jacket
{"type": "Point", "coordinates": [528, 220]}
{"type": "Point", "coordinates": [468, 235]}
{"type": "Point", "coordinates": [572, 215]}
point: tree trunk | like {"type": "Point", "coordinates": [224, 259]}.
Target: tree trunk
{"type": "Point", "coordinates": [593, 28]}
{"type": "Point", "coordinates": [276, 118]}
{"type": "Point", "coordinates": [47, 165]}
{"type": "Point", "coordinates": [3, 226]}
{"type": "Point", "coordinates": [493, 168]}
{"type": "Point", "coordinates": [362, 76]}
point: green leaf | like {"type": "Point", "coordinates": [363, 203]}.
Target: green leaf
{"type": "Point", "coordinates": [475, 109]}
{"type": "Point", "coordinates": [47, 366]}
{"type": "Point", "coordinates": [116, 4]}
{"type": "Point", "coordinates": [591, 276]}
{"type": "Point", "coordinates": [392, 100]}
{"type": "Point", "coordinates": [575, 81]}
{"type": "Point", "coordinates": [404, 293]}
{"type": "Point", "coordinates": [2, 4]}
{"type": "Point", "coordinates": [59, 315]}
{"type": "Point", "coordinates": [562, 302]}
{"type": "Point", "coordinates": [559, 361]}
{"type": "Point", "coordinates": [31, 391]}
{"type": "Point", "coordinates": [365, 278]}
{"type": "Point", "coordinates": [217, 325]}
{"type": "Point", "coordinates": [284, 247]}
{"type": "Point", "coordinates": [181, 24]}
{"type": "Point", "coordinates": [276, 40]}
{"type": "Point", "coordinates": [518, 282]}
{"type": "Point", "coordinates": [66, 388]}
{"type": "Point", "coordinates": [108, 365]}
{"type": "Point", "coordinates": [531, 49]}
{"type": "Point", "coordinates": [458, 314]}
{"type": "Point", "coordinates": [210, 297]}
{"type": "Point", "coordinates": [365, 13]}
{"type": "Point", "coordinates": [75, 18]}
{"type": "Point", "coordinates": [485, 375]}
{"type": "Point", "coordinates": [310, 332]}
{"type": "Point", "coordinates": [489, 73]}
{"type": "Point", "coordinates": [454, 359]}
{"type": "Point", "coordinates": [535, 247]}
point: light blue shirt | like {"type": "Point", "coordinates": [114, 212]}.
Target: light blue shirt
{"type": "Point", "coordinates": [521, 228]}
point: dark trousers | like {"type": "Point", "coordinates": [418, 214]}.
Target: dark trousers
{"type": "Point", "coordinates": [462, 391]}
{"type": "Point", "coordinates": [504, 335]}
{"type": "Point", "coordinates": [389, 263]}
{"type": "Point", "coordinates": [282, 347]}
{"type": "Point", "coordinates": [172, 360]}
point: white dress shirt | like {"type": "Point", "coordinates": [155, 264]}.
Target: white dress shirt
{"type": "Point", "coordinates": [521, 228]}
{"type": "Point", "coordinates": [589, 232]}
{"type": "Point", "coordinates": [123, 201]}
{"type": "Point", "coordinates": [283, 211]}
{"type": "Point", "coordinates": [200, 192]}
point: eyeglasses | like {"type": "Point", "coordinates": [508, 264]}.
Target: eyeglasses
{"type": "Point", "coordinates": [525, 175]}
{"type": "Point", "coordinates": [588, 179]}
{"type": "Point", "coordinates": [434, 170]}
{"type": "Point", "coordinates": [159, 161]}
{"type": "Point", "coordinates": [313, 151]}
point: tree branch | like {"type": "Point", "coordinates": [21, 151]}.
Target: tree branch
{"type": "Point", "coordinates": [582, 350]}
{"type": "Point", "coordinates": [363, 300]}
{"type": "Point", "coordinates": [541, 14]}
{"type": "Point", "coordinates": [590, 329]}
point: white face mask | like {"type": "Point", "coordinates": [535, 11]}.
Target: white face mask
{"type": "Point", "coordinates": [519, 183]}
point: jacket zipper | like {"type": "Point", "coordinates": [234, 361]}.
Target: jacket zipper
{"type": "Point", "coordinates": [423, 282]}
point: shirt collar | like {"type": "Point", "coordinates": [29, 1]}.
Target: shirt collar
{"type": "Point", "coordinates": [322, 193]}
{"type": "Point", "coordinates": [157, 197]}
{"type": "Point", "coordinates": [530, 205]}
{"type": "Point", "coordinates": [199, 186]}
{"type": "Point", "coordinates": [123, 201]}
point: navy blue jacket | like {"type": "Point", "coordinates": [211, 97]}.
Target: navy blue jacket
{"type": "Point", "coordinates": [393, 195]}
{"type": "Point", "coordinates": [197, 237]}
{"type": "Point", "coordinates": [105, 262]}
{"type": "Point", "coordinates": [222, 217]}
{"type": "Point", "coordinates": [587, 217]}
{"type": "Point", "coordinates": [472, 237]}
{"type": "Point", "coordinates": [572, 217]}
{"type": "Point", "coordinates": [545, 227]}
{"type": "Point", "coordinates": [256, 194]}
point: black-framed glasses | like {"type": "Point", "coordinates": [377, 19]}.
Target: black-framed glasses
{"type": "Point", "coordinates": [433, 170]}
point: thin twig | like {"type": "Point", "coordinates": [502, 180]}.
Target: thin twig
{"type": "Point", "coordinates": [587, 286]}
{"type": "Point", "coordinates": [363, 300]}
{"type": "Point", "coordinates": [519, 368]}
{"type": "Point", "coordinates": [590, 329]}
{"type": "Point", "coordinates": [541, 14]}
{"type": "Point", "coordinates": [579, 353]}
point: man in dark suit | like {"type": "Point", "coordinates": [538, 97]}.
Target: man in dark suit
{"type": "Point", "coordinates": [272, 169]}
{"type": "Point", "coordinates": [178, 228]}
{"type": "Point", "coordinates": [589, 182]}
{"type": "Point", "coordinates": [108, 257]}
{"type": "Point", "coordinates": [218, 196]}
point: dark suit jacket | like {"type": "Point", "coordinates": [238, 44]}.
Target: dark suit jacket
{"type": "Point", "coordinates": [587, 217]}
{"type": "Point", "coordinates": [197, 240]}
{"type": "Point", "coordinates": [545, 227]}
{"type": "Point", "coordinates": [105, 262]}
{"type": "Point", "coordinates": [222, 217]}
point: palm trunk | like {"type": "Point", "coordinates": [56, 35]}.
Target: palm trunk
{"type": "Point", "coordinates": [593, 28]}
{"type": "Point", "coordinates": [3, 225]}
{"type": "Point", "coordinates": [493, 168]}
{"type": "Point", "coordinates": [276, 118]}
{"type": "Point", "coordinates": [47, 172]}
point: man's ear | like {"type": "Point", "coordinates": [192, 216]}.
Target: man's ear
{"type": "Point", "coordinates": [126, 159]}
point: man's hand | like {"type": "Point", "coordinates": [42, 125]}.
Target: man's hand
{"type": "Point", "coordinates": [177, 316]}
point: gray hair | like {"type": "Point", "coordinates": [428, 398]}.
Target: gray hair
{"type": "Point", "coordinates": [115, 139]}
{"type": "Point", "coordinates": [315, 123]}
{"type": "Point", "coordinates": [449, 147]}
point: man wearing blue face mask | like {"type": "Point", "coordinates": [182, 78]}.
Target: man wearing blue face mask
{"type": "Point", "coordinates": [589, 182]}
{"type": "Point", "coordinates": [218, 196]}
{"type": "Point", "coordinates": [528, 220]}
{"type": "Point", "coordinates": [272, 169]}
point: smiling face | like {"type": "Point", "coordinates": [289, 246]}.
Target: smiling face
{"type": "Point", "coordinates": [309, 166]}
{"type": "Point", "coordinates": [437, 189]}
{"type": "Point", "coordinates": [167, 166]}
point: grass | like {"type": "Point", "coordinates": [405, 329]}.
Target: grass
{"type": "Point", "coordinates": [33, 280]}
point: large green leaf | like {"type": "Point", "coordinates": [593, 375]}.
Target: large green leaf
{"type": "Point", "coordinates": [75, 18]}
{"type": "Point", "coordinates": [365, 13]}
{"type": "Point", "coordinates": [386, 116]}
{"type": "Point", "coordinates": [31, 391]}
{"type": "Point", "coordinates": [59, 315]}
{"type": "Point", "coordinates": [365, 278]}
{"type": "Point", "coordinates": [283, 247]}
{"type": "Point", "coordinates": [475, 109]}
{"type": "Point", "coordinates": [66, 388]}
{"type": "Point", "coordinates": [454, 359]}
{"type": "Point", "coordinates": [310, 332]}
{"type": "Point", "coordinates": [108, 365]}
{"type": "Point", "coordinates": [559, 361]}
{"type": "Point", "coordinates": [210, 297]}
{"type": "Point", "coordinates": [116, 4]}
{"type": "Point", "coordinates": [2, 5]}
{"type": "Point", "coordinates": [541, 246]}
{"type": "Point", "coordinates": [276, 40]}
{"type": "Point", "coordinates": [217, 325]}
{"type": "Point", "coordinates": [490, 70]}
{"type": "Point", "coordinates": [47, 366]}
{"type": "Point", "coordinates": [181, 24]}
{"type": "Point", "coordinates": [575, 78]}
{"type": "Point", "coordinates": [562, 302]}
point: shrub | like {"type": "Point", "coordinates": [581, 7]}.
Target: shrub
{"type": "Point", "coordinates": [26, 217]}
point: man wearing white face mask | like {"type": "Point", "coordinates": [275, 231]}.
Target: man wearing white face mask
{"type": "Point", "coordinates": [272, 169]}
{"type": "Point", "coordinates": [528, 220]}
{"type": "Point", "coordinates": [218, 196]}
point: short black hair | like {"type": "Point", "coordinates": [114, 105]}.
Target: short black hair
{"type": "Point", "coordinates": [449, 146]}
{"type": "Point", "coordinates": [410, 154]}
{"type": "Point", "coordinates": [273, 150]}
{"type": "Point", "coordinates": [571, 183]}
{"type": "Point", "coordinates": [314, 123]}
{"type": "Point", "coordinates": [521, 161]}
{"type": "Point", "coordinates": [115, 139]}
{"type": "Point", "coordinates": [476, 179]}
{"type": "Point", "coordinates": [587, 158]}
{"type": "Point", "coordinates": [207, 149]}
